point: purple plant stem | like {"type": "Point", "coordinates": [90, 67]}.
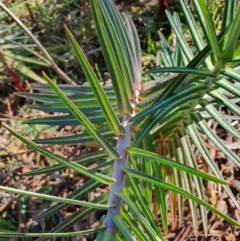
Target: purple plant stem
{"type": "Point", "coordinates": [118, 174]}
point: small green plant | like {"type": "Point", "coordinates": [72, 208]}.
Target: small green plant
{"type": "Point", "coordinates": [156, 126]}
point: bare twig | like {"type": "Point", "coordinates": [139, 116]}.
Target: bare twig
{"type": "Point", "coordinates": [31, 51]}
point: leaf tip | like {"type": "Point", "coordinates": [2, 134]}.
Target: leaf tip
{"type": "Point", "coordinates": [64, 26]}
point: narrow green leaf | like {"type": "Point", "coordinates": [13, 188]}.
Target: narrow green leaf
{"type": "Point", "coordinates": [232, 38]}
{"type": "Point", "coordinates": [177, 155]}
{"type": "Point", "coordinates": [135, 41]}
{"type": "Point", "coordinates": [147, 168]}
{"type": "Point", "coordinates": [103, 101]}
{"type": "Point", "coordinates": [81, 169]}
{"type": "Point", "coordinates": [231, 73]}
{"type": "Point", "coordinates": [183, 70]}
{"type": "Point", "coordinates": [104, 236]}
{"type": "Point", "coordinates": [146, 103]}
{"type": "Point", "coordinates": [137, 189]}
{"type": "Point", "coordinates": [64, 120]}
{"type": "Point", "coordinates": [173, 188]}
{"type": "Point", "coordinates": [197, 140]}
{"type": "Point", "coordinates": [122, 30]}
{"type": "Point", "coordinates": [153, 87]}
{"type": "Point", "coordinates": [181, 79]}
{"type": "Point", "coordinates": [168, 122]}
{"type": "Point", "coordinates": [26, 71]}
{"type": "Point", "coordinates": [181, 39]}
{"type": "Point", "coordinates": [133, 225]}
{"type": "Point", "coordinates": [77, 216]}
{"type": "Point", "coordinates": [121, 43]}
{"type": "Point", "coordinates": [141, 219]}
{"type": "Point", "coordinates": [166, 55]}
{"type": "Point", "coordinates": [122, 227]}
{"type": "Point", "coordinates": [21, 58]}
{"type": "Point", "coordinates": [197, 38]}
{"type": "Point", "coordinates": [179, 98]}
{"type": "Point", "coordinates": [178, 56]}
{"type": "Point", "coordinates": [50, 235]}
{"type": "Point", "coordinates": [229, 10]}
{"type": "Point", "coordinates": [232, 88]}
{"type": "Point", "coordinates": [80, 103]}
{"type": "Point", "coordinates": [82, 119]}
{"type": "Point", "coordinates": [195, 62]}
{"type": "Point", "coordinates": [161, 114]}
{"type": "Point", "coordinates": [190, 160]}
{"type": "Point", "coordinates": [63, 109]}
{"type": "Point", "coordinates": [228, 15]}
{"type": "Point", "coordinates": [85, 138]}
{"type": "Point", "coordinates": [104, 27]}
{"type": "Point", "coordinates": [79, 193]}
{"type": "Point", "coordinates": [160, 194]}
{"type": "Point", "coordinates": [53, 98]}
{"type": "Point", "coordinates": [200, 19]}
{"type": "Point", "coordinates": [211, 33]}
{"type": "Point", "coordinates": [101, 164]}
{"type": "Point", "coordinates": [225, 101]}
{"type": "Point", "coordinates": [54, 198]}
{"type": "Point", "coordinates": [135, 152]}
{"type": "Point", "coordinates": [215, 139]}
{"type": "Point", "coordinates": [219, 118]}
{"type": "Point", "coordinates": [84, 159]}
{"type": "Point", "coordinates": [78, 89]}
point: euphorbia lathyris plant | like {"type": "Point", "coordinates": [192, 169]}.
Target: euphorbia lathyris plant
{"type": "Point", "coordinates": [156, 127]}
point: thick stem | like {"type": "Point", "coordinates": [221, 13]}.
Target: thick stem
{"type": "Point", "coordinates": [118, 174]}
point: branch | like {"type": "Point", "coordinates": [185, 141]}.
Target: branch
{"type": "Point", "coordinates": [118, 174]}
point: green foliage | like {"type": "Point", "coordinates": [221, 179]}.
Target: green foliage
{"type": "Point", "coordinates": [11, 60]}
{"type": "Point", "coordinates": [156, 125]}
{"type": "Point", "coordinates": [16, 53]}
